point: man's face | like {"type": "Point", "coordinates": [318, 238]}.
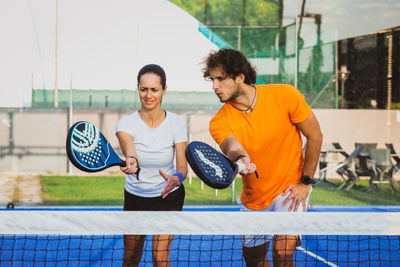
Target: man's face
{"type": "Point", "coordinates": [225, 87]}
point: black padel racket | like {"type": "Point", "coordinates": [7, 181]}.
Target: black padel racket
{"type": "Point", "coordinates": [89, 150]}
{"type": "Point", "coordinates": [211, 166]}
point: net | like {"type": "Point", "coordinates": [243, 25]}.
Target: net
{"type": "Point", "coordinates": [95, 238]}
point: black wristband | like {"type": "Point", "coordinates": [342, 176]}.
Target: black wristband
{"type": "Point", "coordinates": [305, 179]}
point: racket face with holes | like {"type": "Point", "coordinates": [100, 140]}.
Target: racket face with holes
{"type": "Point", "coordinates": [212, 167]}
{"type": "Point", "coordinates": [88, 149]}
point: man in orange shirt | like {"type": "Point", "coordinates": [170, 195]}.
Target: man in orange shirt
{"type": "Point", "coordinates": [260, 126]}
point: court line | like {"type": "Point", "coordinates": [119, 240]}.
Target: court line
{"type": "Point", "coordinates": [317, 257]}
{"type": "Point", "coordinates": [316, 208]}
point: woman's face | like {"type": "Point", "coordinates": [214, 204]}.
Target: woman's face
{"type": "Point", "coordinates": [150, 91]}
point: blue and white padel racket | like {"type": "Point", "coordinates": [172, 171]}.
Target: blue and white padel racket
{"type": "Point", "coordinates": [89, 150]}
{"type": "Point", "coordinates": [212, 167]}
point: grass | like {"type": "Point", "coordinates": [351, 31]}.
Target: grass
{"type": "Point", "coordinates": [83, 190]}
{"type": "Point", "coordinates": [327, 194]}
{"type": "Point", "coordinates": [208, 196]}
{"type": "Point", "coordinates": [108, 190]}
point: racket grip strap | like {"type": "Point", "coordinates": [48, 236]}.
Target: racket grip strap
{"type": "Point", "coordinates": [180, 176]}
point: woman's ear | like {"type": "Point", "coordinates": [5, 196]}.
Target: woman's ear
{"type": "Point", "coordinates": [164, 90]}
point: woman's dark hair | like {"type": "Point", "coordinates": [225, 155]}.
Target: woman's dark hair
{"type": "Point", "coordinates": [155, 69]}
{"type": "Point", "coordinates": [232, 62]}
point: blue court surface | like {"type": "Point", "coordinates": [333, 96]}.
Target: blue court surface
{"type": "Point", "coordinates": [220, 250]}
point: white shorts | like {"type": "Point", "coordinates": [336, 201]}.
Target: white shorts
{"type": "Point", "coordinates": [257, 240]}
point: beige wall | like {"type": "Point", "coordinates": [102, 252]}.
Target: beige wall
{"type": "Point", "coordinates": [344, 126]}
{"type": "Point", "coordinates": [361, 126]}
{"type": "Point", "coordinates": [42, 131]}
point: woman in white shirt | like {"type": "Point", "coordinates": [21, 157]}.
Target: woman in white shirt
{"type": "Point", "coordinates": [151, 139]}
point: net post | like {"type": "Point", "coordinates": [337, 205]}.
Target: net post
{"type": "Point", "coordinates": [190, 169]}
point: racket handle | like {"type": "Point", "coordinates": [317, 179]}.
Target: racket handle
{"type": "Point", "coordinates": [241, 167]}
{"type": "Point", "coordinates": [123, 164]}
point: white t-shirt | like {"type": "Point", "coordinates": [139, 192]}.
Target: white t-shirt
{"type": "Point", "coordinates": [155, 149]}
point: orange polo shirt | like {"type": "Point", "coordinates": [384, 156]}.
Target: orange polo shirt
{"type": "Point", "coordinates": [270, 137]}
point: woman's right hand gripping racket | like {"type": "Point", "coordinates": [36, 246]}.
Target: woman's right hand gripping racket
{"type": "Point", "coordinates": [212, 167]}
{"type": "Point", "coordinates": [89, 150]}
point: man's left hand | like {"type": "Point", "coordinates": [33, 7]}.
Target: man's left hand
{"type": "Point", "coordinates": [298, 193]}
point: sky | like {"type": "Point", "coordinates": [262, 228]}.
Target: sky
{"type": "Point", "coordinates": [351, 18]}
{"type": "Point", "coordinates": [103, 43]}
{"type": "Point", "coordinates": [342, 19]}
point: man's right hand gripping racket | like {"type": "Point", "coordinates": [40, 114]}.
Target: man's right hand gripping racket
{"type": "Point", "coordinates": [212, 167]}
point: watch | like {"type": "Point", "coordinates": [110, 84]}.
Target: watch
{"type": "Point", "coordinates": [305, 179]}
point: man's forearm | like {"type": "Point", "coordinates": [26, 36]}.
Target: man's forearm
{"type": "Point", "coordinates": [232, 148]}
{"type": "Point", "coordinates": [311, 158]}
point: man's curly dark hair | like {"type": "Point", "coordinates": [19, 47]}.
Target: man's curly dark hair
{"type": "Point", "coordinates": [232, 62]}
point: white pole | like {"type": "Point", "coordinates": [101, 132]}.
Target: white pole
{"type": "Point", "coordinates": [233, 190]}
{"type": "Point", "coordinates": [190, 169]}
{"type": "Point", "coordinates": [32, 92]}
{"type": "Point", "coordinates": [389, 75]}
{"type": "Point", "coordinates": [70, 104]}
{"type": "Point", "coordinates": [217, 148]}
{"type": "Point", "coordinates": [70, 121]}
{"type": "Point", "coordinates": [239, 37]}
{"type": "Point", "coordinates": [188, 118]}
{"type": "Point", "coordinates": [296, 45]}
{"type": "Point", "coordinates": [56, 62]}
{"type": "Point", "coordinates": [389, 92]}
{"type": "Point", "coordinates": [201, 182]}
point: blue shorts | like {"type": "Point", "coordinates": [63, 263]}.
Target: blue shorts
{"type": "Point", "coordinates": [257, 240]}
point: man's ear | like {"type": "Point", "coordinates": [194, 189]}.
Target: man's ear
{"type": "Point", "coordinates": [240, 78]}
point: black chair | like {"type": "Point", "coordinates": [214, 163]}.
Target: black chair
{"type": "Point", "coordinates": [344, 168]}
{"type": "Point", "coordinates": [364, 164]}
{"type": "Point", "coordinates": [382, 167]}
{"type": "Point", "coordinates": [323, 164]}
{"type": "Point", "coordinates": [386, 168]}
{"type": "Point", "coordinates": [393, 153]}
{"type": "Point", "coordinates": [348, 171]}
{"type": "Point", "coordinates": [339, 148]}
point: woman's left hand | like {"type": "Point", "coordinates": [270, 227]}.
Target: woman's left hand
{"type": "Point", "coordinates": [172, 182]}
